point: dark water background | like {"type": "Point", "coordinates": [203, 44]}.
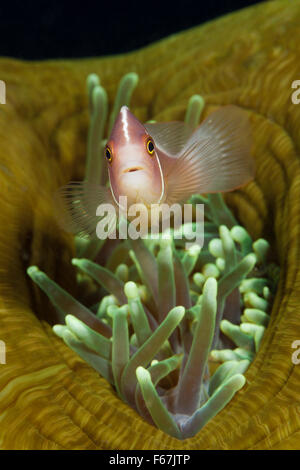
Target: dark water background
{"type": "Point", "coordinates": [58, 29]}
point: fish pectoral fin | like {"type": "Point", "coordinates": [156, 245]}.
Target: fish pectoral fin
{"type": "Point", "coordinates": [76, 207]}
{"type": "Point", "coordinates": [216, 158]}
{"type": "Point", "coordinates": [169, 137]}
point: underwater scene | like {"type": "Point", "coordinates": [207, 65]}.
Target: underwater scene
{"type": "Point", "coordinates": [150, 229]}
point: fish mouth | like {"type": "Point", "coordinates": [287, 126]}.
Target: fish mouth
{"type": "Point", "coordinates": [132, 169]}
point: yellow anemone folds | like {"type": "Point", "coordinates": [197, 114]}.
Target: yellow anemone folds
{"type": "Point", "coordinates": [50, 398]}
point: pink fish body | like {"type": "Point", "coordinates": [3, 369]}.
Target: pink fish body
{"type": "Point", "coordinates": [164, 163]}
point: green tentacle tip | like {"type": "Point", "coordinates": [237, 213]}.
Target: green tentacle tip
{"type": "Point", "coordinates": [256, 316]}
{"type": "Point", "coordinates": [236, 334]}
{"type": "Point", "coordinates": [256, 301]}
{"type": "Point", "coordinates": [241, 236]}
{"type": "Point", "coordinates": [239, 233]}
{"type": "Point", "coordinates": [122, 272]}
{"type": "Point", "coordinates": [261, 248]}
{"type": "Point", "coordinates": [98, 96]}
{"type": "Point", "coordinates": [77, 262]}
{"type": "Point", "coordinates": [199, 279]}
{"type": "Point", "coordinates": [216, 248]}
{"type": "Point", "coordinates": [112, 310]}
{"type": "Point", "coordinates": [176, 314]}
{"type": "Point", "coordinates": [238, 381]}
{"type": "Point", "coordinates": [194, 250]}
{"type": "Point", "coordinates": [250, 260]}
{"type": "Point", "coordinates": [210, 288]}
{"type": "Point", "coordinates": [130, 79]}
{"type": "Point", "coordinates": [32, 270]}
{"type": "Point", "coordinates": [194, 110]}
{"type": "Point", "coordinates": [59, 330]}
{"type": "Point", "coordinates": [131, 290]}
{"type": "Point", "coordinates": [92, 80]}
{"type": "Point", "coordinates": [210, 270]}
{"type": "Point", "coordinates": [196, 100]}
{"type": "Point", "coordinates": [220, 263]}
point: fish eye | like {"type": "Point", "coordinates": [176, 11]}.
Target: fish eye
{"type": "Point", "coordinates": [150, 146]}
{"type": "Point", "coordinates": [108, 154]}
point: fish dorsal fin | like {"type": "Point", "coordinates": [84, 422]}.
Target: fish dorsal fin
{"type": "Point", "coordinates": [169, 137]}
{"type": "Point", "coordinates": [76, 205]}
{"type": "Point", "coordinates": [216, 157]}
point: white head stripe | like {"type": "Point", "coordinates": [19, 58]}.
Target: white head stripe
{"type": "Point", "coordinates": [125, 123]}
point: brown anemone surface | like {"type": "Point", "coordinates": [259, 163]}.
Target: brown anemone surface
{"type": "Point", "coordinates": [51, 399]}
